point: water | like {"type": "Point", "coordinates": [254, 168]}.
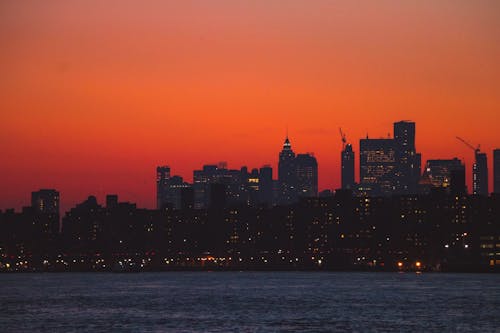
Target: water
{"type": "Point", "coordinates": [249, 302]}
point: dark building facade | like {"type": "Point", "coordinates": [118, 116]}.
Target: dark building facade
{"type": "Point", "coordinates": [407, 171]}
{"type": "Point", "coordinates": [266, 185]}
{"type": "Point", "coordinates": [347, 167]}
{"type": "Point", "coordinates": [496, 171]}
{"type": "Point", "coordinates": [448, 174]}
{"type": "Point", "coordinates": [480, 174]}
{"type": "Point", "coordinates": [45, 204]}
{"type": "Point", "coordinates": [162, 178]}
{"type": "Point", "coordinates": [306, 168]}
{"type": "Point", "coordinates": [377, 165]}
{"type": "Point", "coordinates": [169, 188]}
{"type": "Point", "coordinates": [287, 175]}
{"type": "Point", "coordinates": [45, 201]}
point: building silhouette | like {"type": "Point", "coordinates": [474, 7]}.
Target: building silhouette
{"type": "Point", "coordinates": [45, 204]}
{"type": "Point", "coordinates": [445, 174]}
{"type": "Point", "coordinates": [408, 161]}
{"type": "Point", "coordinates": [496, 171]}
{"type": "Point", "coordinates": [162, 178]}
{"type": "Point", "coordinates": [45, 201]}
{"type": "Point", "coordinates": [287, 177]}
{"type": "Point", "coordinates": [480, 174]}
{"type": "Point", "coordinates": [266, 185]}
{"type": "Point", "coordinates": [377, 166]}
{"type": "Point", "coordinates": [306, 168]}
{"type": "Point", "coordinates": [347, 167]}
{"type": "Point", "coordinates": [169, 188]}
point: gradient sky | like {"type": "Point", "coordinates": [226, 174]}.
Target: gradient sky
{"type": "Point", "coordinates": [95, 94]}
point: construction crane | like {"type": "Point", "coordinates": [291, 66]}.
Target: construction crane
{"type": "Point", "coordinates": [344, 140]}
{"type": "Point", "coordinates": [476, 149]}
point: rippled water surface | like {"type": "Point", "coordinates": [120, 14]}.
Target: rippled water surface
{"type": "Point", "coordinates": [249, 302]}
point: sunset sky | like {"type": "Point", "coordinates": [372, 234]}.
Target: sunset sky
{"type": "Point", "coordinates": [95, 94]}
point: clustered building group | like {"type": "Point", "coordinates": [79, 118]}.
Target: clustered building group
{"type": "Point", "coordinates": [395, 217]}
{"type": "Point", "coordinates": [389, 166]}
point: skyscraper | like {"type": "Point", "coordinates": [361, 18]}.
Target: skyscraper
{"type": "Point", "coordinates": [480, 174]}
{"type": "Point", "coordinates": [306, 168]}
{"type": "Point", "coordinates": [162, 177]}
{"type": "Point", "coordinates": [266, 184]}
{"type": "Point", "coordinates": [286, 174]}
{"type": "Point", "coordinates": [496, 171]}
{"type": "Point", "coordinates": [377, 165]}
{"type": "Point", "coordinates": [407, 171]}
{"type": "Point", "coordinates": [347, 167]}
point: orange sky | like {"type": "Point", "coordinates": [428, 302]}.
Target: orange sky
{"type": "Point", "coordinates": [95, 94]}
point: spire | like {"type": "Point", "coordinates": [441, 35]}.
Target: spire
{"type": "Point", "coordinates": [287, 145]}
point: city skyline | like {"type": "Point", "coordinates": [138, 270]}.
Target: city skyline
{"type": "Point", "coordinates": [94, 96]}
{"type": "Point", "coordinates": [439, 172]}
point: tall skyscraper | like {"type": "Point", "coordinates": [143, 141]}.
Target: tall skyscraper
{"type": "Point", "coordinates": [408, 162]}
{"type": "Point", "coordinates": [306, 168]}
{"type": "Point", "coordinates": [347, 167]}
{"type": "Point", "coordinates": [480, 174]}
{"type": "Point", "coordinates": [377, 165]}
{"type": "Point", "coordinates": [496, 171]}
{"type": "Point", "coordinates": [287, 174]}
{"type": "Point", "coordinates": [162, 177]}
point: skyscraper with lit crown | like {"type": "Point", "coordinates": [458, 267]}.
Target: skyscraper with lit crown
{"type": "Point", "coordinates": [287, 174]}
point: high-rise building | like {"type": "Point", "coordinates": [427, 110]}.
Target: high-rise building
{"type": "Point", "coordinates": [45, 203]}
{"type": "Point", "coordinates": [306, 168]}
{"type": "Point", "coordinates": [287, 174]}
{"type": "Point", "coordinates": [168, 189]}
{"type": "Point", "coordinates": [162, 177]}
{"type": "Point", "coordinates": [377, 165]}
{"type": "Point", "coordinates": [496, 171]}
{"type": "Point", "coordinates": [266, 185]}
{"type": "Point", "coordinates": [407, 171]}
{"type": "Point", "coordinates": [235, 184]}
{"type": "Point", "coordinates": [480, 174]}
{"type": "Point", "coordinates": [440, 172]}
{"type": "Point", "coordinates": [347, 167]}
{"type": "Point", "coordinates": [457, 184]}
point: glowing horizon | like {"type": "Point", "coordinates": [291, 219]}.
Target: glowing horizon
{"type": "Point", "coordinates": [93, 96]}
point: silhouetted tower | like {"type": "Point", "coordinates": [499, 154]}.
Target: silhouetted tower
{"type": "Point", "coordinates": [286, 174]}
{"type": "Point", "coordinates": [162, 177]}
{"type": "Point", "coordinates": [266, 185]}
{"type": "Point", "coordinates": [408, 161]}
{"type": "Point", "coordinates": [45, 203]}
{"type": "Point", "coordinates": [496, 171]}
{"type": "Point", "coordinates": [347, 164]}
{"type": "Point", "coordinates": [479, 170]}
{"type": "Point", "coordinates": [377, 165]}
{"type": "Point", "coordinates": [480, 174]}
{"type": "Point", "coordinates": [307, 175]}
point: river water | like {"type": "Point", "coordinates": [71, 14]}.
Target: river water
{"type": "Point", "coordinates": [249, 302]}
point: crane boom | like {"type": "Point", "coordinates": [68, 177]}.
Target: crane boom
{"type": "Point", "coordinates": [468, 144]}
{"type": "Point", "coordinates": [342, 135]}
